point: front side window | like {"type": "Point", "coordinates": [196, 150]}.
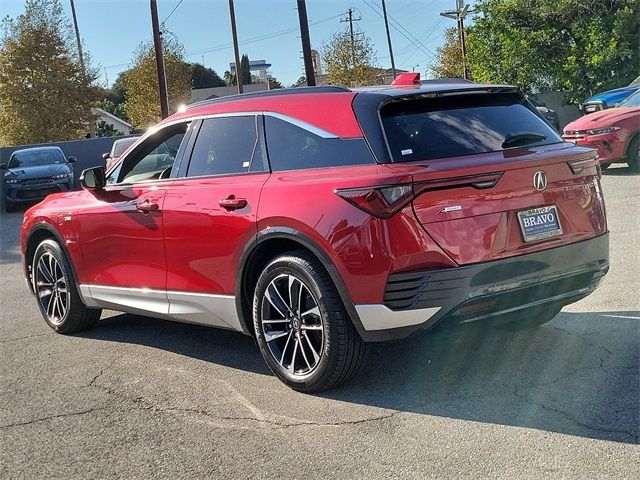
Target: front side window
{"type": "Point", "coordinates": [225, 146]}
{"type": "Point", "coordinates": [291, 147]}
{"type": "Point", "coordinates": [451, 126]}
{"type": "Point", "coordinates": [153, 159]}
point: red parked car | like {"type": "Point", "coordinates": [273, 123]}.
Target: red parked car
{"type": "Point", "coordinates": [321, 219]}
{"type": "Point", "coordinates": [614, 132]}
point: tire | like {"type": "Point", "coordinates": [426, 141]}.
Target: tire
{"type": "Point", "coordinates": [633, 154]}
{"type": "Point", "coordinates": [10, 207]}
{"type": "Point", "coordinates": [528, 319]}
{"type": "Point", "coordinates": [56, 291]}
{"type": "Point", "coordinates": [317, 348]}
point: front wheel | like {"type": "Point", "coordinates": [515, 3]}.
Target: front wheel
{"type": "Point", "coordinates": [301, 326]}
{"type": "Point", "coordinates": [633, 155]}
{"type": "Point", "coordinates": [55, 289]}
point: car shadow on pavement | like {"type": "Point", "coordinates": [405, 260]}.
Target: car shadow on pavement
{"type": "Point", "coordinates": [577, 375]}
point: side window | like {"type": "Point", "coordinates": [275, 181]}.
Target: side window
{"type": "Point", "coordinates": [293, 148]}
{"type": "Point", "coordinates": [153, 158]}
{"type": "Point", "coordinates": [226, 145]}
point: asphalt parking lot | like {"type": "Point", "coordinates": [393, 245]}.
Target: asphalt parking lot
{"type": "Point", "coordinates": [138, 397]}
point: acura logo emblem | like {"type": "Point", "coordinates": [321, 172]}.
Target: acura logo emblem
{"type": "Point", "coordinates": [540, 180]}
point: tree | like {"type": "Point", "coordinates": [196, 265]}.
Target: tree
{"type": "Point", "coordinates": [275, 83]}
{"type": "Point", "coordinates": [576, 46]}
{"type": "Point", "coordinates": [202, 77]}
{"type": "Point", "coordinates": [245, 70]}
{"type": "Point", "coordinates": [449, 57]}
{"type": "Point", "coordinates": [349, 64]}
{"type": "Point", "coordinates": [45, 95]}
{"type": "Point", "coordinates": [141, 83]}
{"type": "Point", "coordinates": [104, 129]}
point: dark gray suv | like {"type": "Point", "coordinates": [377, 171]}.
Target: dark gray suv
{"type": "Point", "coordinates": [33, 173]}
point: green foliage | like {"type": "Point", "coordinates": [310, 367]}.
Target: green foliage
{"type": "Point", "coordinates": [44, 93]}
{"type": "Point", "coordinates": [580, 47]}
{"type": "Point", "coordinates": [245, 70]}
{"type": "Point", "coordinates": [349, 64]}
{"type": "Point", "coordinates": [104, 129]}
{"type": "Point", "coordinates": [202, 77]}
{"type": "Point", "coordinates": [449, 62]}
{"type": "Point", "coordinates": [115, 109]}
{"type": "Point", "coordinates": [141, 83]}
{"type": "Point", "coordinates": [275, 83]}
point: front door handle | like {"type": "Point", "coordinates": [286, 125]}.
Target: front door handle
{"type": "Point", "coordinates": [232, 203]}
{"type": "Point", "coordinates": [147, 207]}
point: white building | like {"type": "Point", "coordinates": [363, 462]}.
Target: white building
{"type": "Point", "coordinates": [110, 119]}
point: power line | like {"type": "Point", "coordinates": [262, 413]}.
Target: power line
{"type": "Point", "coordinates": [401, 30]}
{"type": "Point", "coordinates": [174, 9]}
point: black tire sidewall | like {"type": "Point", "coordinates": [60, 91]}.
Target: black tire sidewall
{"type": "Point", "coordinates": [51, 246]}
{"type": "Point", "coordinates": [331, 320]}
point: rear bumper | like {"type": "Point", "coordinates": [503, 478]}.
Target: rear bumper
{"type": "Point", "coordinates": [421, 299]}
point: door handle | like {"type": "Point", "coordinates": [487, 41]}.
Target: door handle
{"type": "Point", "coordinates": [232, 203]}
{"type": "Point", "coordinates": [147, 207]}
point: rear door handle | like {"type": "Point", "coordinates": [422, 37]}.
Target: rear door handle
{"type": "Point", "coordinates": [232, 203]}
{"type": "Point", "coordinates": [147, 207]}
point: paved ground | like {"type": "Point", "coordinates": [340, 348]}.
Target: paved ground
{"type": "Point", "coordinates": [138, 397]}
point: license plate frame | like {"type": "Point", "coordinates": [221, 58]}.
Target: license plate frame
{"type": "Point", "coordinates": [533, 231]}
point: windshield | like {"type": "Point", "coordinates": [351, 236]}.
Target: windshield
{"type": "Point", "coordinates": [30, 158]}
{"type": "Point", "coordinates": [451, 126]}
{"type": "Point", "coordinates": [120, 146]}
{"type": "Point", "coordinates": [631, 101]}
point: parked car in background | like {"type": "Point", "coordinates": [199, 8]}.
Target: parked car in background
{"type": "Point", "coordinates": [549, 114]}
{"type": "Point", "coordinates": [320, 219]}
{"type": "Point", "coordinates": [614, 132]}
{"type": "Point", "coordinates": [610, 98]}
{"type": "Point", "coordinates": [118, 148]}
{"type": "Point", "coordinates": [33, 173]}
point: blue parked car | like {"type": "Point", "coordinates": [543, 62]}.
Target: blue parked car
{"type": "Point", "coordinates": [33, 173]}
{"type": "Point", "coordinates": [610, 98]}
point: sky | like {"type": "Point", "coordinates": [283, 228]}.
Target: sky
{"type": "Point", "coordinates": [267, 29]}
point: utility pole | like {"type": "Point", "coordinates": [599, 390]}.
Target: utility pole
{"type": "Point", "coordinates": [162, 78]}
{"type": "Point", "coordinates": [157, 43]}
{"type": "Point", "coordinates": [236, 52]}
{"type": "Point", "coordinates": [386, 26]}
{"type": "Point", "coordinates": [458, 14]}
{"type": "Point", "coordinates": [350, 19]}
{"type": "Point", "coordinates": [75, 24]}
{"type": "Point", "coordinates": [306, 44]}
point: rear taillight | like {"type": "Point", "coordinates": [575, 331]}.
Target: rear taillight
{"type": "Point", "coordinates": [381, 202]}
{"type": "Point", "coordinates": [577, 166]}
{"type": "Point", "coordinates": [384, 201]}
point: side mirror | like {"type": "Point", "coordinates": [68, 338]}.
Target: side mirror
{"type": "Point", "coordinates": [93, 179]}
{"type": "Point", "coordinates": [3, 166]}
{"type": "Point", "coordinates": [72, 159]}
{"type": "Point", "coordinates": [106, 156]}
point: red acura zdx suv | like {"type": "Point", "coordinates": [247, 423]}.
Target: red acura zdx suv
{"type": "Point", "coordinates": [321, 219]}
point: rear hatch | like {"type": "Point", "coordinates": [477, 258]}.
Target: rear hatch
{"type": "Point", "coordinates": [491, 178]}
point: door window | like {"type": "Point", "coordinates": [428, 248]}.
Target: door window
{"type": "Point", "coordinates": [227, 145]}
{"type": "Point", "coordinates": [153, 159]}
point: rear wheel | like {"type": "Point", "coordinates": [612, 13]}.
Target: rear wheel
{"type": "Point", "coordinates": [55, 288]}
{"type": "Point", "coordinates": [301, 326]}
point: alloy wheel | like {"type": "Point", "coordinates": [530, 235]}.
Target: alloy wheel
{"type": "Point", "coordinates": [52, 288]}
{"type": "Point", "coordinates": [293, 327]}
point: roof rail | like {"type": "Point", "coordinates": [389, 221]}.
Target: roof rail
{"type": "Point", "coordinates": [446, 80]}
{"type": "Point", "coordinates": [270, 93]}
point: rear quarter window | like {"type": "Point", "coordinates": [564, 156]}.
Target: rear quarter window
{"type": "Point", "coordinates": [291, 147]}
{"type": "Point", "coordinates": [452, 126]}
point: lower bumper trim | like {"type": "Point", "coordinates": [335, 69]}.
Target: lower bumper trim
{"type": "Point", "coordinates": [380, 317]}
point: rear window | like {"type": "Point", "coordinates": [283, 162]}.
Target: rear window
{"type": "Point", "coordinates": [452, 126]}
{"type": "Point", "coordinates": [293, 148]}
